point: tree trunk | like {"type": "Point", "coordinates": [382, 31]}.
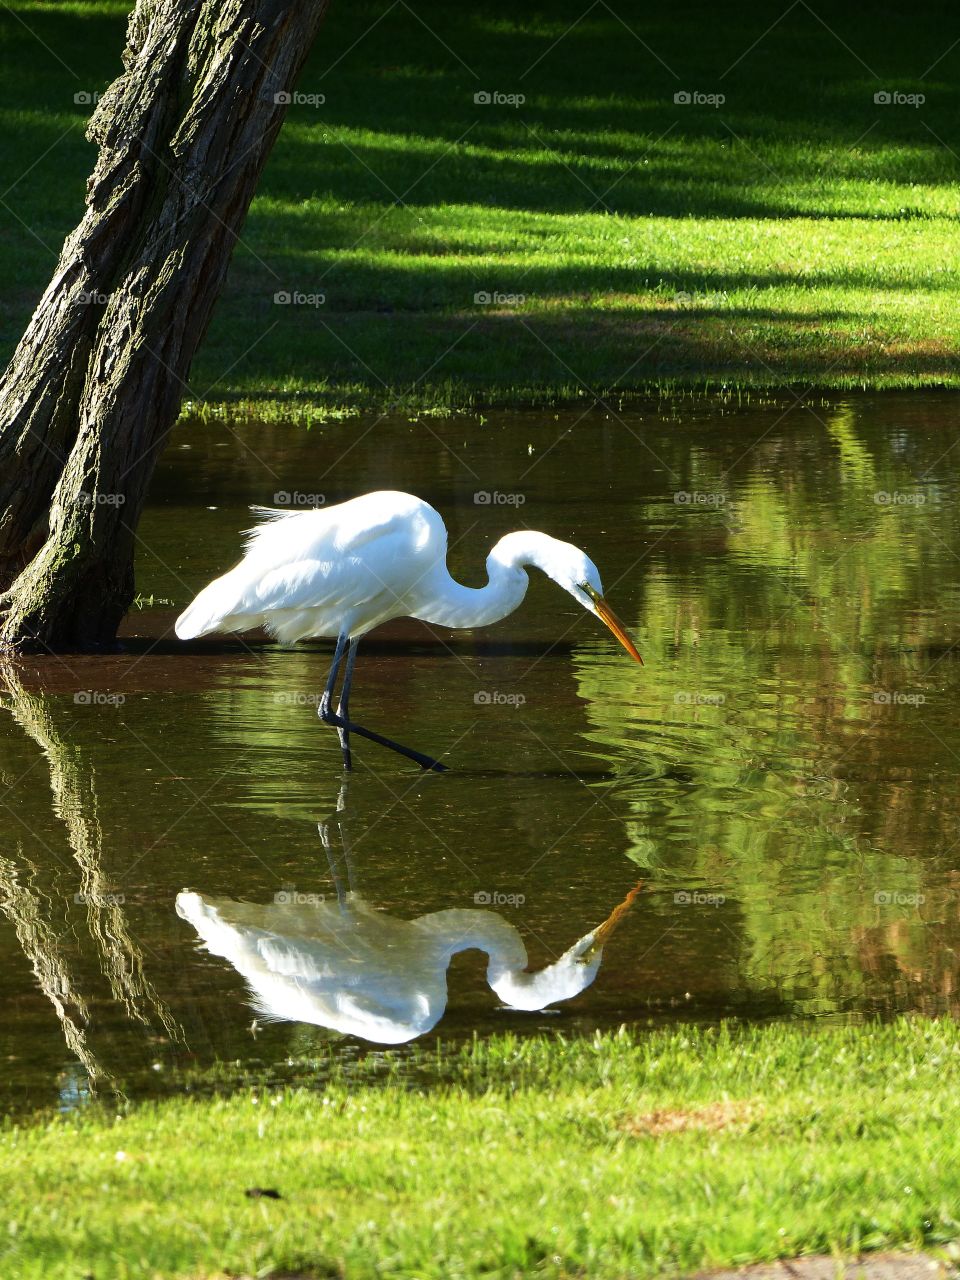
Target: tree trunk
{"type": "Point", "coordinates": [96, 383]}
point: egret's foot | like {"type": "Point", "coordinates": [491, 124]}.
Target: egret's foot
{"type": "Point", "coordinates": [348, 727]}
{"type": "Point", "coordinates": [428, 763]}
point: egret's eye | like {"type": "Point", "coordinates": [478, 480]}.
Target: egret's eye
{"type": "Point", "coordinates": [586, 587]}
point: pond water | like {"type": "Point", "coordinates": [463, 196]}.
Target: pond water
{"type": "Point", "coordinates": [781, 775]}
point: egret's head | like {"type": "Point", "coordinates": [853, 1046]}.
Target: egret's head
{"type": "Point", "coordinates": [566, 977]}
{"type": "Point", "coordinates": [571, 569]}
{"type": "Point", "coordinates": [562, 980]}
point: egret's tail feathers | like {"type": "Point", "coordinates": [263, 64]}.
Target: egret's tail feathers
{"type": "Point", "coordinates": [272, 513]}
{"type": "Point", "coordinates": [191, 907]}
{"type": "Point", "coordinates": [212, 610]}
{"type": "Point", "coordinates": [218, 936]}
{"type": "Point", "coordinates": [267, 516]}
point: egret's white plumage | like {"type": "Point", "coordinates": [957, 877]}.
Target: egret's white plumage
{"type": "Point", "coordinates": [323, 572]}
{"type": "Point", "coordinates": [359, 971]}
{"type": "Point", "coordinates": [340, 571]}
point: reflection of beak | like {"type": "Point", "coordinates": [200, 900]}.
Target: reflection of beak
{"type": "Point", "coordinates": [606, 614]}
{"type": "Point", "coordinates": [602, 932]}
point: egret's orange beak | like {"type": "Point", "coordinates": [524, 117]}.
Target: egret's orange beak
{"type": "Point", "coordinates": [603, 931]}
{"type": "Point", "coordinates": [606, 614]}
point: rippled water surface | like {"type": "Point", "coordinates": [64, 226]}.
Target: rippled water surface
{"type": "Point", "coordinates": [781, 776]}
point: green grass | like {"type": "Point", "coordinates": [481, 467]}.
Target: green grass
{"type": "Point", "coordinates": [513, 1157]}
{"type": "Point", "coordinates": [798, 233]}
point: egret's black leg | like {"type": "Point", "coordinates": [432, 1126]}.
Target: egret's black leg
{"type": "Point", "coordinates": [324, 830]}
{"type": "Point", "coordinates": [326, 697]}
{"type": "Point", "coordinates": [343, 731]}
{"type": "Point", "coordinates": [347, 854]}
{"type": "Point", "coordinates": [344, 645]}
{"type": "Point", "coordinates": [343, 890]}
{"type": "Point", "coordinates": [348, 726]}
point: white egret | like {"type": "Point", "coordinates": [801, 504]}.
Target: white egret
{"type": "Point", "coordinates": [340, 571]}
{"type": "Point", "coordinates": [344, 965]}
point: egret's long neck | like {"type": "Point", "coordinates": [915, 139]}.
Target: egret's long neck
{"type": "Point", "coordinates": [466, 929]}
{"type": "Point", "coordinates": [450, 604]}
{"type": "Point", "coordinates": [463, 930]}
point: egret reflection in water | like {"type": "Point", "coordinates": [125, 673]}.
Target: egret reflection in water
{"type": "Point", "coordinates": [345, 965]}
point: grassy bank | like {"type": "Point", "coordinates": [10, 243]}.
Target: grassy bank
{"type": "Point", "coordinates": [630, 1154]}
{"type": "Point", "coordinates": [796, 232]}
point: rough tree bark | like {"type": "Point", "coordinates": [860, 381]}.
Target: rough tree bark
{"type": "Point", "coordinates": [97, 380]}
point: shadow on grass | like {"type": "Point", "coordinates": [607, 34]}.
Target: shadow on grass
{"type": "Point", "coordinates": [416, 281]}
{"type": "Point", "coordinates": [399, 83]}
{"type": "Point", "coordinates": [798, 135]}
{"type": "Point", "coordinates": [488, 359]}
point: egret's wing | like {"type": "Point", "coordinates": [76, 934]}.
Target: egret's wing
{"type": "Point", "coordinates": [343, 977]}
{"type": "Point", "coordinates": [253, 950]}
{"type": "Point", "coordinates": [307, 960]}
{"type": "Point", "coordinates": [348, 529]}
{"type": "Point", "coordinates": [326, 562]}
{"type": "Point", "coordinates": [310, 584]}
{"type": "Point", "coordinates": [337, 585]}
